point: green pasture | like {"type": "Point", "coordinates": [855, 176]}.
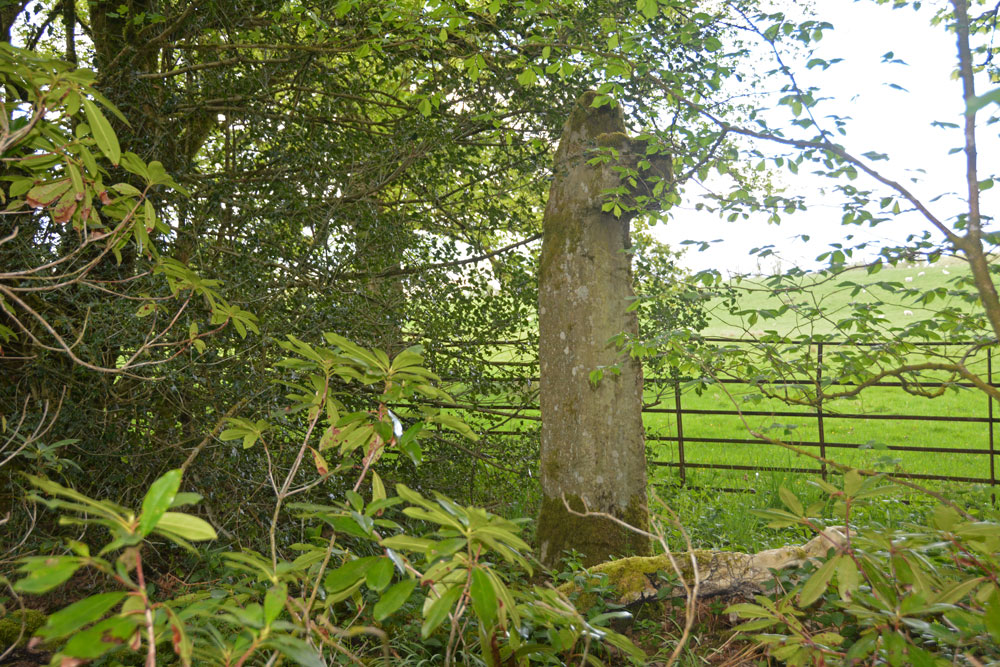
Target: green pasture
{"type": "Point", "coordinates": [868, 441]}
{"type": "Point", "coordinates": [874, 434]}
{"type": "Point", "coordinates": [899, 290]}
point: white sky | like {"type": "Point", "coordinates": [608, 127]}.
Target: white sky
{"type": "Point", "coordinates": [884, 119]}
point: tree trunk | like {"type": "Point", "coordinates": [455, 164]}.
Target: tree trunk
{"type": "Point", "coordinates": [592, 448]}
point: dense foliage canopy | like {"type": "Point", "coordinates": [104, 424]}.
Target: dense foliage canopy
{"type": "Point", "coordinates": [200, 192]}
{"type": "Point", "coordinates": [367, 168]}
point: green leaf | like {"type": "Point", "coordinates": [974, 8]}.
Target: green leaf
{"type": "Point", "coordinates": [624, 644]}
{"type": "Point", "coordinates": [848, 578]}
{"type": "Point", "coordinates": [183, 646]}
{"type": "Point", "coordinates": [379, 575]}
{"type": "Point", "coordinates": [67, 621]}
{"type": "Point", "coordinates": [408, 543]}
{"type": "Point", "coordinates": [158, 500]}
{"type": "Point", "coordinates": [349, 573]}
{"type": "Point", "coordinates": [756, 624]}
{"type": "Point", "coordinates": [46, 572]}
{"type": "Point", "coordinates": [378, 488]}
{"type": "Point", "coordinates": [185, 498]}
{"type": "Point", "coordinates": [75, 177]}
{"type": "Point", "coordinates": [852, 482]}
{"type": "Point", "coordinates": [103, 134]}
{"type": "Point", "coordinates": [274, 603]}
{"type": "Point", "coordinates": [249, 561]}
{"type": "Point", "coordinates": [157, 174]}
{"type": "Point", "coordinates": [791, 501]}
{"type": "Point", "coordinates": [127, 189]}
{"type": "Point", "coordinates": [393, 599]}
{"type": "Point", "coordinates": [484, 598]}
{"type": "Point", "coordinates": [135, 165]}
{"type": "Point", "coordinates": [455, 424]}
{"type": "Point", "coordinates": [957, 591]}
{"type": "Point", "coordinates": [978, 102]}
{"type": "Point", "coordinates": [296, 649]}
{"type": "Point", "coordinates": [189, 527]}
{"type": "Point", "coordinates": [438, 611]}
{"type": "Point", "coordinates": [46, 193]}
{"type": "Point", "coordinates": [649, 8]}
{"type": "Point", "coordinates": [992, 616]}
{"type": "Point", "coordinates": [748, 610]}
{"type": "Point", "coordinates": [101, 638]}
{"type": "Point", "coordinates": [102, 508]}
{"type": "Point", "coordinates": [816, 584]}
{"type": "Point", "coordinates": [862, 648]}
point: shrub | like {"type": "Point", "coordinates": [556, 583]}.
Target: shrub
{"type": "Point", "coordinates": [920, 594]}
{"type": "Point", "coordinates": [410, 565]}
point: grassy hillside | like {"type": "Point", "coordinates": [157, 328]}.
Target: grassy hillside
{"type": "Point", "coordinates": [900, 288]}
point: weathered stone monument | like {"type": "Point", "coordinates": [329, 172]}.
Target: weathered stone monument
{"type": "Point", "coordinates": [592, 447]}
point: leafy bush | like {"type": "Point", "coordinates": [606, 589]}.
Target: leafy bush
{"type": "Point", "coordinates": [388, 564]}
{"type": "Point", "coordinates": [920, 594]}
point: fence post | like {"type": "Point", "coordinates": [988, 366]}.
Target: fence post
{"type": "Point", "coordinates": [680, 429]}
{"type": "Point", "coordinates": [819, 407]}
{"type": "Point", "coordinates": [989, 400]}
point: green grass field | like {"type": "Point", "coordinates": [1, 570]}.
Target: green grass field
{"type": "Point", "coordinates": [875, 435]}
{"type": "Point", "coordinates": [866, 442]}
{"type": "Point", "coordinates": [901, 288]}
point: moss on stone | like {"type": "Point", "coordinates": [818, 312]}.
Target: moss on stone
{"type": "Point", "coordinates": [12, 624]}
{"type": "Point", "coordinates": [598, 120]}
{"type": "Point", "coordinates": [597, 538]}
{"type": "Point", "coordinates": [617, 140]}
{"type": "Point", "coordinates": [633, 578]}
{"type": "Point", "coordinates": [720, 572]}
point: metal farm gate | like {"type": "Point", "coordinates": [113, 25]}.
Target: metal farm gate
{"type": "Point", "coordinates": [686, 444]}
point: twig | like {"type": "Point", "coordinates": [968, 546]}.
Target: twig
{"type": "Point", "coordinates": [691, 591]}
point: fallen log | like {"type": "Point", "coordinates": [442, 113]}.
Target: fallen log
{"type": "Point", "coordinates": [720, 573]}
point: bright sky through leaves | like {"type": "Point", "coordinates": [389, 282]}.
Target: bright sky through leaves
{"type": "Point", "coordinates": [884, 119]}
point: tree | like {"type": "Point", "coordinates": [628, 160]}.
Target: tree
{"type": "Point", "coordinates": [966, 310]}
{"type": "Point", "coordinates": [344, 162]}
{"type": "Point", "coordinates": [65, 231]}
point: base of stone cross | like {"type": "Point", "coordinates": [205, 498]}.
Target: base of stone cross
{"type": "Point", "coordinates": [722, 573]}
